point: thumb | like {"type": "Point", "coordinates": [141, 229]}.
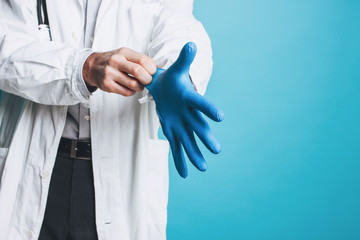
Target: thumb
{"type": "Point", "coordinates": [186, 57]}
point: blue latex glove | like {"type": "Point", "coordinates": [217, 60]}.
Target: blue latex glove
{"type": "Point", "coordinates": [178, 106]}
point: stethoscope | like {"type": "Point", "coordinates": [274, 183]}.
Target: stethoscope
{"type": "Point", "coordinates": [43, 19]}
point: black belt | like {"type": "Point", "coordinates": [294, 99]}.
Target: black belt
{"type": "Point", "coordinates": [75, 148]}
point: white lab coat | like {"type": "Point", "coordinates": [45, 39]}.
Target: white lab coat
{"type": "Point", "coordinates": [130, 164]}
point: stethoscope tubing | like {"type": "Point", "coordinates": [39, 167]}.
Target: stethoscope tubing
{"type": "Point", "coordinates": [42, 12]}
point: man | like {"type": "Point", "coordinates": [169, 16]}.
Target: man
{"type": "Point", "coordinates": [77, 162]}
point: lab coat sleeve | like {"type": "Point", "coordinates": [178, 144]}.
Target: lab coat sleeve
{"type": "Point", "coordinates": [174, 26]}
{"type": "Point", "coordinates": [38, 70]}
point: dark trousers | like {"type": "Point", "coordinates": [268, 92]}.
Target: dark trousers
{"type": "Point", "coordinates": [70, 208]}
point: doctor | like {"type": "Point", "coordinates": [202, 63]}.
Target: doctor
{"type": "Point", "coordinates": [79, 156]}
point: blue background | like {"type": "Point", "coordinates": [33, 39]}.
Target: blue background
{"type": "Point", "coordinates": [287, 75]}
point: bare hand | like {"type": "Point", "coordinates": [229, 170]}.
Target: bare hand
{"type": "Point", "coordinates": [122, 71]}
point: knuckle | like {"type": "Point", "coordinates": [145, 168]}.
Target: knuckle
{"type": "Point", "coordinates": [112, 59]}
{"type": "Point", "coordinates": [128, 93]}
{"type": "Point", "coordinates": [153, 63]}
{"type": "Point", "coordinates": [136, 70]}
{"type": "Point", "coordinates": [107, 71]}
{"type": "Point", "coordinates": [144, 60]}
{"type": "Point", "coordinates": [121, 50]}
{"type": "Point", "coordinates": [133, 84]}
{"type": "Point", "coordinates": [106, 84]}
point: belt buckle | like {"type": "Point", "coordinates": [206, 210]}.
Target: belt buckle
{"type": "Point", "coordinates": [73, 149]}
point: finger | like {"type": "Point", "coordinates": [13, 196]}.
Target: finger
{"type": "Point", "coordinates": [113, 87]}
{"type": "Point", "coordinates": [185, 58]}
{"type": "Point", "coordinates": [197, 101]}
{"type": "Point", "coordinates": [146, 62]}
{"type": "Point", "coordinates": [203, 131]}
{"type": "Point", "coordinates": [177, 152]}
{"type": "Point", "coordinates": [125, 80]}
{"type": "Point", "coordinates": [191, 148]}
{"type": "Point", "coordinates": [120, 63]}
{"type": "Point", "coordinates": [137, 71]}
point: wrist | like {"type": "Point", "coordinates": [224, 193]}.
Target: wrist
{"type": "Point", "coordinates": [86, 71]}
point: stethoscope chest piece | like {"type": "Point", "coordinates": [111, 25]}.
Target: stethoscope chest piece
{"type": "Point", "coordinates": [44, 32]}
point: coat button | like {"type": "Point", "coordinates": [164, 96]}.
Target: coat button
{"type": "Point", "coordinates": [87, 117]}
{"type": "Point", "coordinates": [44, 173]}
{"type": "Point", "coordinates": [30, 234]}
{"type": "Point", "coordinates": [92, 39]}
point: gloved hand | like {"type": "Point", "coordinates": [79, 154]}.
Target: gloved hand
{"type": "Point", "coordinates": [178, 106]}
